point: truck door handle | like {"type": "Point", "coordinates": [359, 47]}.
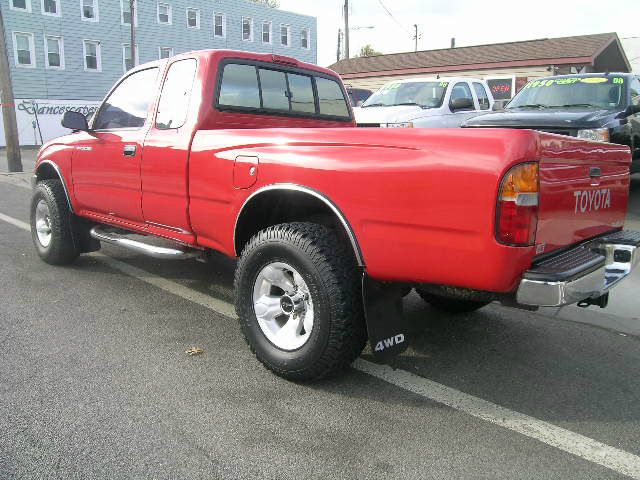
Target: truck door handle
{"type": "Point", "coordinates": [129, 150]}
{"type": "Point", "coordinates": [595, 172]}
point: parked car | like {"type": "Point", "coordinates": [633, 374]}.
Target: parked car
{"type": "Point", "coordinates": [357, 96]}
{"type": "Point", "coordinates": [601, 107]}
{"type": "Point", "coordinates": [256, 156]}
{"type": "Point", "coordinates": [425, 103]}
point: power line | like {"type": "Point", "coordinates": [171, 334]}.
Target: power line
{"type": "Point", "coordinates": [393, 18]}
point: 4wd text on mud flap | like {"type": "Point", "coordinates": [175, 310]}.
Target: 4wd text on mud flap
{"type": "Point", "coordinates": [389, 342]}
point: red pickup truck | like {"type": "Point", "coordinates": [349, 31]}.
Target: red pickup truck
{"type": "Point", "coordinates": [257, 156]}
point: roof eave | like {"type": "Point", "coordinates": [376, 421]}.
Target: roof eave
{"type": "Point", "coordinates": [475, 66]}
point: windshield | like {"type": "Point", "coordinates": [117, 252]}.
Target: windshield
{"type": "Point", "coordinates": [423, 94]}
{"type": "Point", "coordinates": [589, 92]}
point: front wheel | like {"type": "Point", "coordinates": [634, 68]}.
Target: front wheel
{"type": "Point", "coordinates": [51, 227]}
{"type": "Point", "coordinates": [299, 301]}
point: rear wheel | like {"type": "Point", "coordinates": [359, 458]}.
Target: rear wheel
{"type": "Point", "coordinates": [298, 299]}
{"type": "Point", "coordinates": [450, 305]}
{"type": "Point", "coordinates": [51, 227]}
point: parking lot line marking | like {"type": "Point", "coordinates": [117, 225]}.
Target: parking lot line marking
{"type": "Point", "coordinates": [15, 222]}
{"type": "Point", "coordinates": [584, 447]}
{"type": "Point", "coordinates": [212, 303]}
{"type": "Point", "coordinates": [558, 437]}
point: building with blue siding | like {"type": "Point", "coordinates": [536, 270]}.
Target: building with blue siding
{"type": "Point", "coordinates": [70, 52]}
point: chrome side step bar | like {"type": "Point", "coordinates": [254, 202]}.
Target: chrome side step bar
{"type": "Point", "coordinates": [120, 239]}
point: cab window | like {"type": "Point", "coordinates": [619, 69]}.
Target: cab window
{"type": "Point", "coordinates": [128, 105]}
{"type": "Point", "coordinates": [273, 85]}
{"type": "Point", "coordinates": [331, 99]}
{"type": "Point", "coordinates": [176, 94]}
{"type": "Point", "coordinates": [255, 87]}
{"type": "Point", "coordinates": [483, 97]}
{"type": "Point", "coordinates": [239, 86]}
{"type": "Point", "coordinates": [302, 98]}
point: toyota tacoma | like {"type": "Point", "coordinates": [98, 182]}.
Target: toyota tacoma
{"type": "Point", "coordinates": [257, 156]}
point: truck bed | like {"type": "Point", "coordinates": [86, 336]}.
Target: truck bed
{"type": "Point", "coordinates": [422, 203]}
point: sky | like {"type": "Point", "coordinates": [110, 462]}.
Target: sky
{"type": "Point", "coordinates": [471, 22]}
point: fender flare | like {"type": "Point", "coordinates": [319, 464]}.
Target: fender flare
{"type": "Point", "coordinates": [314, 193]}
{"type": "Point", "coordinates": [55, 167]}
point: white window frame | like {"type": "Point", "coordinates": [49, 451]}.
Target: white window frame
{"type": "Point", "coordinates": [124, 61]}
{"type": "Point", "coordinates": [160, 52]}
{"type": "Point", "coordinates": [32, 49]}
{"type": "Point", "coordinates": [46, 52]}
{"type": "Point", "coordinates": [169, 13]}
{"type": "Point", "coordinates": [58, 9]}
{"type": "Point", "coordinates": [224, 25]}
{"type": "Point", "coordinates": [197, 10]}
{"type": "Point", "coordinates": [27, 4]}
{"type": "Point", "coordinates": [308, 30]}
{"type": "Point", "coordinates": [250, 20]}
{"type": "Point", "coordinates": [124, 3]}
{"type": "Point", "coordinates": [98, 55]}
{"type": "Point", "coordinates": [96, 12]}
{"type": "Point", "coordinates": [266, 22]}
{"type": "Point", "coordinates": [288, 27]}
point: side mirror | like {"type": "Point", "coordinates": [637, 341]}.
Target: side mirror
{"type": "Point", "coordinates": [463, 103]}
{"type": "Point", "coordinates": [499, 105]}
{"type": "Point", "coordinates": [75, 121]}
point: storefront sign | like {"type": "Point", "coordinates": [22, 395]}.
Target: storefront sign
{"type": "Point", "coordinates": [501, 88]}
{"type": "Point", "coordinates": [42, 117]}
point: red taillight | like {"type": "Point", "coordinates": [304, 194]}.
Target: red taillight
{"type": "Point", "coordinates": [518, 206]}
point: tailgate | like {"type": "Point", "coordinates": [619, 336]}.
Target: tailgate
{"type": "Point", "coordinates": [584, 189]}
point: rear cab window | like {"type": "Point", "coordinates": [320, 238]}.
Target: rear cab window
{"type": "Point", "coordinates": [270, 89]}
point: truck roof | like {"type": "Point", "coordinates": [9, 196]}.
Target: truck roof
{"type": "Point", "coordinates": [216, 55]}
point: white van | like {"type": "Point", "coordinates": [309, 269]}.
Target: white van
{"type": "Point", "coordinates": [425, 103]}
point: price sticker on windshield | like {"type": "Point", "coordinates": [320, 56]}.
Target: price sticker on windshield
{"type": "Point", "coordinates": [574, 80]}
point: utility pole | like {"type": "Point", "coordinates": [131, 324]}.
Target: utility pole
{"type": "Point", "coordinates": [8, 107]}
{"type": "Point", "coordinates": [415, 37]}
{"type": "Point", "coordinates": [132, 9]}
{"type": "Point", "coordinates": [346, 29]}
{"type": "Point", "coordinates": [339, 45]}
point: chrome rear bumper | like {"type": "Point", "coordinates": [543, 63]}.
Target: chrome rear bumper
{"type": "Point", "coordinates": [588, 271]}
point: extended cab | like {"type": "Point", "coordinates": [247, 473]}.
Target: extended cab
{"type": "Point", "coordinates": [256, 156]}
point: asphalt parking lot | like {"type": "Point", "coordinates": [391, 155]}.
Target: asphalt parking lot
{"type": "Point", "coordinates": [95, 382]}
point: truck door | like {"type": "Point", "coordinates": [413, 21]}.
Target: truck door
{"type": "Point", "coordinates": [165, 196]}
{"type": "Point", "coordinates": [106, 167]}
{"type": "Point", "coordinates": [460, 90]}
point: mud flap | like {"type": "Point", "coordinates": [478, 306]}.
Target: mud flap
{"type": "Point", "coordinates": [386, 325]}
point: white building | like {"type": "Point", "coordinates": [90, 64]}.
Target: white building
{"type": "Point", "coordinates": [631, 47]}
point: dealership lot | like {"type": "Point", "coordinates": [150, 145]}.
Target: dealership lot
{"type": "Point", "coordinates": [96, 383]}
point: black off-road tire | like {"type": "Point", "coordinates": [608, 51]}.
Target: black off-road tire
{"type": "Point", "coordinates": [330, 271]}
{"type": "Point", "coordinates": [451, 305]}
{"type": "Point", "coordinates": [62, 248]}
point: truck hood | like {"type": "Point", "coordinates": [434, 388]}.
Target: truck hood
{"type": "Point", "coordinates": [400, 113]}
{"type": "Point", "coordinates": [544, 118]}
